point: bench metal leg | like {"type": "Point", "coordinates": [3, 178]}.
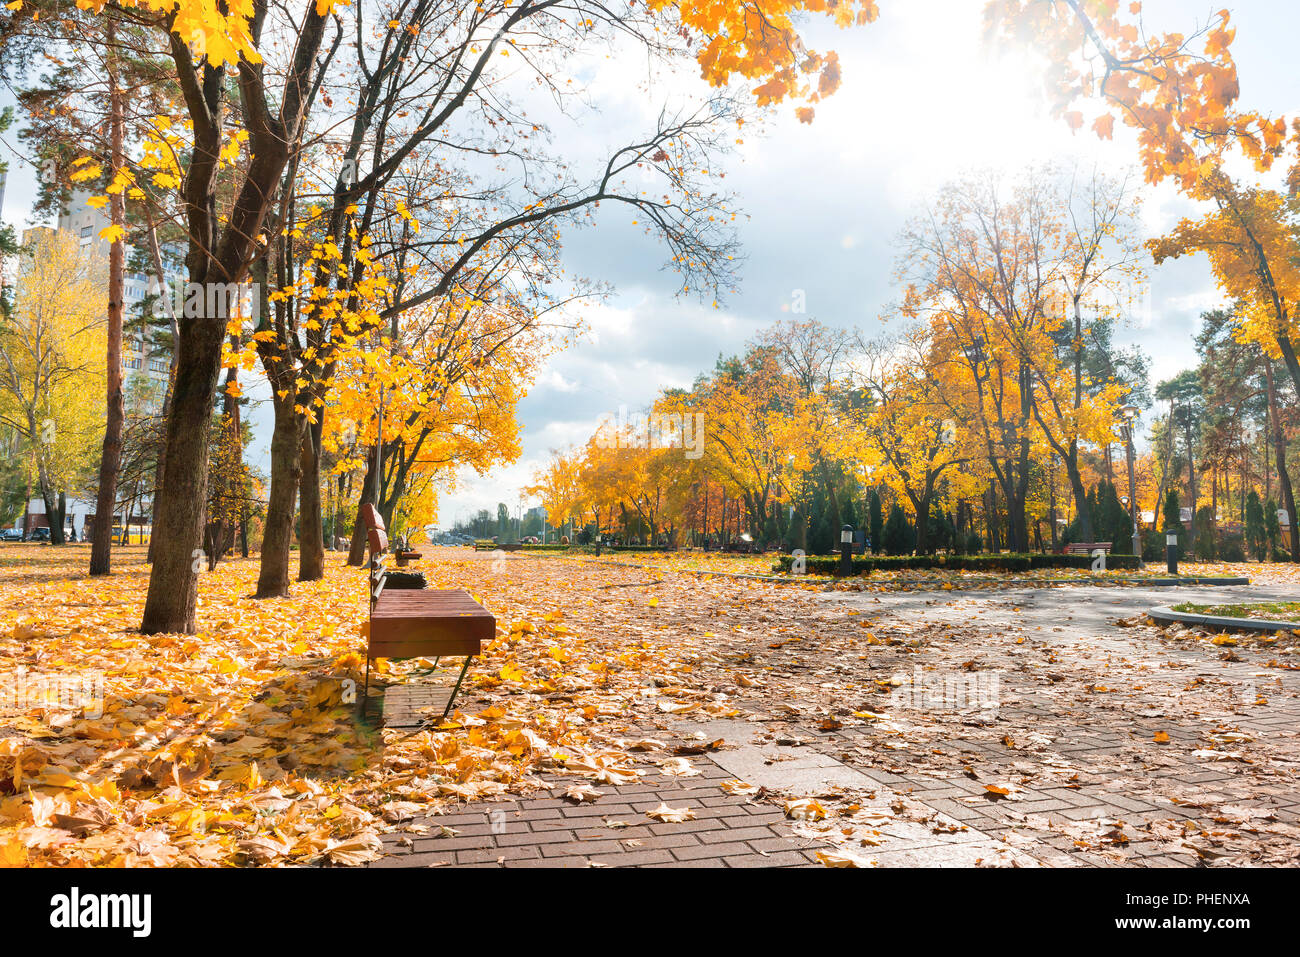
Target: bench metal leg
{"type": "Point", "coordinates": [365, 690]}
{"type": "Point", "coordinates": [456, 690]}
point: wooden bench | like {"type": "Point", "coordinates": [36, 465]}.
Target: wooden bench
{"type": "Point", "coordinates": [406, 556]}
{"type": "Point", "coordinates": [417, 622]}
{"type": "Point", "coordinates": [1086, 548]}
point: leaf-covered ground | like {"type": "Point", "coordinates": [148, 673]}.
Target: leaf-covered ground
{"type": "Point", "coordinates": [235, 747]}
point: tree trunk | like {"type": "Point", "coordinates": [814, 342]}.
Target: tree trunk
{"type": "Point", "coordinates": [1051, 511]}
{"type": "Point", "coordinates": [1289, 356]}
{"type": "Point", "coordinates": [286, 472]}
{"type": "Point", "coordinates": [1283, 477]}
{"type": "Point", "coordinates": [182, 500]}
{"type": "Point", "coordinates": [1191, 486]}
{"type": "Point", "coordinates": [155, 254]}
{"type": "Point", "coordinates": [53, 517]}
{"type": "Point", "coordinates": [110, 460]}
{"type": "Point", "coordinates": [311, 531]}
{"type": "Point", "coordinates": [357, 547]}
{"type": "Point", "coordinates": [922, 506]}
{"type": "Point", "coordinates": [220, 249]}
{"type": "Point", "coordinates": [211, 544]}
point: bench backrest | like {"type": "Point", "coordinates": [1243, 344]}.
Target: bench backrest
{"type": "Point", "coordinates": [376, 533]}
{"type": "Point", "coordinates": [1086, 547]}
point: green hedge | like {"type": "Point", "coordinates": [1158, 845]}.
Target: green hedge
{"type": "Point", "coordinates": [863, 564]}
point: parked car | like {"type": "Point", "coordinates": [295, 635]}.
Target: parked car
{"type": "Point", "coordinates": [11, 535]}
{"type": "Point", "coordinates": [40, 535]}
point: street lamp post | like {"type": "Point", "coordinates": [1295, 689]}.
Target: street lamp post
{"type": "Point", "coordinates": [1130, 415]}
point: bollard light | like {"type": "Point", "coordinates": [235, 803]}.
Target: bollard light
{"type": "Point", "coordinates": [1171, 551]}
{"type": "Point", "coordinates": [846, 550]}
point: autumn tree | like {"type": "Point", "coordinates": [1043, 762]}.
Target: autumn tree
{"type": "Point", "coordinates": [1178, 91]}
{"type": "Point", "coordinates": [51, 373]}
{"type": "Point", "coordinates": [980, 271]}
{"type": "Point", "coordinates": [914, 443]}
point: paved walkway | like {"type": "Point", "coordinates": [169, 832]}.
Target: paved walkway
{"type": "Point", "coordinates": [1120, 774]}
{"type": "Point", "coordinates": [548, 830]}
{"type": "Point", "coordinates": [1090, 781]}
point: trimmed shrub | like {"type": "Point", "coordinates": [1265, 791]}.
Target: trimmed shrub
{"type": "Point", "coordinates": [1231, 550]}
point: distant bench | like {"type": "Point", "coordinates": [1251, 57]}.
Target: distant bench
{"type": "Point", "coordinates": [407, 556]}
{"type": "Point", "coordinates": [418, 622]}
{"type": "Point", "coordinates": [1086, 548]}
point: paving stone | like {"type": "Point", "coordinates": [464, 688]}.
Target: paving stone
{"type": "Point", "coordinates": [636, 858]}
{"type": "Point", "coordinates": [492, 854]}
{"type": "Point", "coordinates": [718, 851]}
{"type": "Point", "coordinates": [569, 848]}
{"type": "Point", "coordinates": [780, 859]}
{"type": "Point", "coordinates": [735, 834]}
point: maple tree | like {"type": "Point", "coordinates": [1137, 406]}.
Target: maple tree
{"type": "Point", "coordinates": [557, 486]}
{"type": "Point", "coordinates": [1250, 238]}
{"type": "Point", "coordinates": [912, 443]}
{"type": "Point", "coordinates": [1177, 91]}
{"type": "Point", "coordinates": [51, 343]}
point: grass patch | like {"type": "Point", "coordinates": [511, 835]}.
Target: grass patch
{"type": "Point", "coordinates": [1258, 610]}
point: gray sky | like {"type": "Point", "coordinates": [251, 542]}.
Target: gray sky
{"type": "Point", "coordinates": [921, 102]}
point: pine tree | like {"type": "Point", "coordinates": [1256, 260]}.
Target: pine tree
{"type": "Point", "coordinates": [1256, 532]}
{"type": "Point", "coordinates": [1116, 525]}
{"type": "Point", "coordinates": [938, 532]}
{"type": "Point", "coordinates": [848, 514]}
{"type": "Point", "coordinates": [833, 523]}
{"type": "Point", "coordinates": [897, 540]}
{"type": "Point", "coordinates": [797, 533]}
{"type": "Point", "coordinates": [770, 532]}
{"type": "Point", "coordinates": [877, 521]}
{"type": "Point", "coordinates": [1206, 547]}
{"type": "Point", "coordinates": [1272, 527]}
{"type": "Point", "coordinates": [819, 538]}
{"type": "Point", "coordinates": [1172, 512]}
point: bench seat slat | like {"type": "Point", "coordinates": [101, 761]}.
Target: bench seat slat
{"type": "Point", "coordinates": [416, 623]}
